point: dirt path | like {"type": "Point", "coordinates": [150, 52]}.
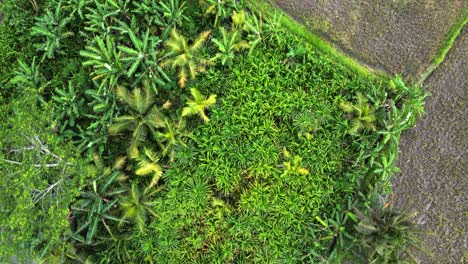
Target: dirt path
{"type": "Point", "coordinates": [434, 160]}
{"type": "Point", "coordinates": [398, 36]}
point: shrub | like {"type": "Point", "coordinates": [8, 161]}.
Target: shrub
{"type": "Point", "coordinates": [387, 235]}
{"type": "Point", "coordinates": [40, 177]}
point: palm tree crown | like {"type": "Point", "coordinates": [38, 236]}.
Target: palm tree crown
{"type": "Point", "coordinates": [144, 116]}
{"type": "Point", "coordinates": [186, 58]}
{"type": "Point", "coordinates": [199, 104]}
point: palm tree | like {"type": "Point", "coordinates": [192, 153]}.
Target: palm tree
{"type": "Point", "coordinates": [136, 206]}
{"type": "Point", "coordinates": [148, 165]}
{"type": "Point", "coordinates": [144, 117]}
{"type": "Point", "coordinates": [198, 105]}
{"type": "Point", "coordinates": [387, 235]}
{"type": "Point", "coordinates": [186, 58]}
{"type": "Point", "coordinates": [171, 137]}
{"type": "Point", "coordinates": [362, 114]}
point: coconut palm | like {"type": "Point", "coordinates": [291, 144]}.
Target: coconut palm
{"type": "Point", "coordinates": [148, 164]}
{"type": "Point", "coordinates": [144, 116]}
{"type": "Point", "coordinates": [362, 114]}
{"type": "Point", "coordinates": [136, 206]}
{"type": "Point", "coordinates": [198, 104]}
{"type": "Point", "coordinates": [184, 57]}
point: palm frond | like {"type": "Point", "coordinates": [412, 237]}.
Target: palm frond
{"type": "Point", "coordinates": [210, 101]}
{"type": "Point", "coordinates": [123, 94]}
{"type": "Point", "coordinates": [139, 101]}
{"type": "Point", "coordinates": [151, 155]}
{"type": "Point", "coordinates": [182, 77]}
{"type": "Point", "coordinates": [347, 107]}
{"type": "Point", "coordinates": [199, 41]}
{"type": "Point", "coordinates": [154, 119]}
{"type": "Point", "coordinates": [146, 167]}
{"type": "Point", "coordinates": [122, 123]}
{"type": "Point", "coordinates": [198, 105]}
{"type": "Point", "coordinates": [184, 57]}
{"type": "Point", "coordinates": [140, 133]}
{"type": "Point", "coordinates": [119, 163]}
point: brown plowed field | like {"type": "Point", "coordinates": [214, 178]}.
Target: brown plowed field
{"type": "Point", "coordinates": [398, 36]}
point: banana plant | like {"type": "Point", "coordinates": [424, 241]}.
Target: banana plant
{"type": "Point", "coordinates": [148, 11]}
{"type": "Point", "coordinates": [387, 235]}
{"type": "Point", "coordinates": [187, 59]}
{"type": "Point", "coordinates": [106, 63]}
{"type": "Point", "coordinates": [198, 105]}
{"type": "Point", "coordinates": [144, 116]}
{"type": "Point", "coordinates": [142, 59]}
{"type": "Point", "coordinates": [77, 6]}
{"type": "Point", "coordinates": [337, 228]}
{"type": "Point", "coordinates": [95, 206]}
{"type": "Point", "coordinates": [172, 15]}
{"type": "Point", "coordinates": [361, 114]}
{"type": "Point", "coordinates": [52, 26]}
{"type": "Point", "coordinates": [93, 136]}
{"type": "Point", "coordinates": [229, 43]}
{"type": "Point", "coordinates": [101, 18]}
{"type": "Point", "coordinates": [69, 108]}
{"type": "Point", "coordinates": [28, 76]}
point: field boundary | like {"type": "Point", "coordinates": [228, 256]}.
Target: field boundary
{"type": "Point", "coordinates": [323, 46]}
{"type": "Point", "coordinates": [445, 47]}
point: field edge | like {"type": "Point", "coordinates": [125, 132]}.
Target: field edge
{"type": "Point", "coordinates": [447, 44]}
{"type": "Point", "coordinates": [322, 46]}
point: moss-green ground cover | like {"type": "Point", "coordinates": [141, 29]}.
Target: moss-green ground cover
{"type": "Point", "coordinates": [234, 196]}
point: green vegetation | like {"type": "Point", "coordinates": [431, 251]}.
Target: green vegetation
{"type": "Point", "coordinates": [362, 115]}
{"type": "Point", "coordinates": [318, 43]}
{"type": "Point", "coordinates": [444, 48]}
{"type": "Point", "coordinates": [120, 145]}
{"type": "Point", "coordinates": [186, 58]}
{"type": "Point", "coordinates": [385, 235]}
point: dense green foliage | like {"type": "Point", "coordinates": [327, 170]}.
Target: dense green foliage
{"type": "Point", "coordinates": [386, 234]}
{"type": "Point", "coordinates": [40, 179]}
{"type": "Point", "coordinates": [187, 132]}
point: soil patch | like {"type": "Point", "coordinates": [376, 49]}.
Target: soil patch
{"type": "Point", "coordinates": [398, 36]}
{"type": "Point", "coordinates": [434, 160]}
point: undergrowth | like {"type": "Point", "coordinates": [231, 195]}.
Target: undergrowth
{"type": "Point", "coordinates": [191, 132]}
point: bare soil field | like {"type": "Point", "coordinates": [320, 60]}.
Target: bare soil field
{"type": "Point", "coordinates": [398, 36]}
{"type": "Point", "coordinates": [434, 160]}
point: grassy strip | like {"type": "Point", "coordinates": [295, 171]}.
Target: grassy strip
{"type": "Point", "coordinates": [450, 38]}
{"type": "Point", "coordinates": [322, 46]}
